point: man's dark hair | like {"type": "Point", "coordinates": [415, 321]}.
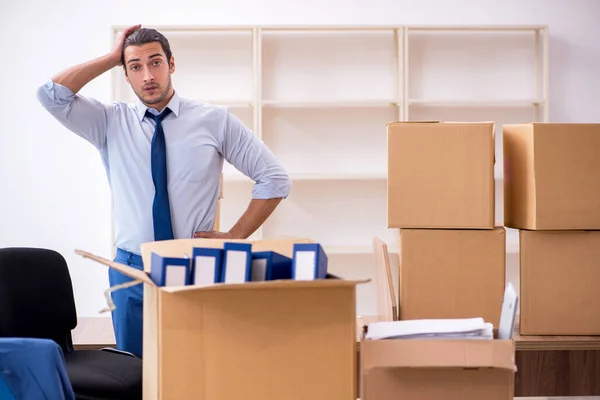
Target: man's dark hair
{"type": "Point", "coordinates": [143, 36]}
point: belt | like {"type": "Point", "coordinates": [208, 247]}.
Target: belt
{"type": "Point", "coordinates": [131, 258]}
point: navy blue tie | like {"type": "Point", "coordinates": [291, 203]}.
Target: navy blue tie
{"type": "Point", "coordinates": [161, 210]}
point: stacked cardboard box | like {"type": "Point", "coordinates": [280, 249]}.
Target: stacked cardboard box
{"type": "Point", "coordinates": [552, 196]}
{"type": "Point", "coordinates": [441, 197]}
{"type": "Point", "coordinates": [452, 265]}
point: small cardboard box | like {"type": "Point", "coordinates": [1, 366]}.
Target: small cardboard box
{"type": "Point", "coordinates": [551, 176]}
{"type": "Point", "coordinates": [440, 175]}
{"type": "Point", "coordinates": [437, 369]}
{"type": "Point", "coordinates": [560, 282]}
{"type": "Point", "coordinates": [452, 273]}
{"type": "Point", "coordinates": [259, 340]}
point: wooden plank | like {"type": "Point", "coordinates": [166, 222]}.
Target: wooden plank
{"type": "Point", "coordinates": [552, 343]}
{"type": "Point", "coordinates": [555, 373]}
{"type": "Point", "coordinates": [557, 343]}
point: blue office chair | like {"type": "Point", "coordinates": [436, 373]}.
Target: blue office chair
{"type": "Point", "coordinates": [36, 301]}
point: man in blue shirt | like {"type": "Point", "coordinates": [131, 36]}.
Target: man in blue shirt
{"type": "Point", "coordinates": [163, 157]}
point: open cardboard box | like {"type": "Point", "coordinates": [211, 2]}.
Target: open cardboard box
{"type": "Point", "coordinates": [437, 369]}
{"type": "Point", "coordinates": [411, 369]}
{"type": "Point", "coordinates": [258, 340]}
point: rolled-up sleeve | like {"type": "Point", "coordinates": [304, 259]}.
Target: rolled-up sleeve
{"type": "Point", "coordinates": [254, 159]}
{"type": "Point", "coordinates": [83, 116]}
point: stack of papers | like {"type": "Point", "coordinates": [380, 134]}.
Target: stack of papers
{"type": "Point", "coordinates": [467, 328]}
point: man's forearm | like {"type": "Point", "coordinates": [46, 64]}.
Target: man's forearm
{"type": "Point", "coordinates": [256, 214]}
{"type": "Point", "coordinates": [80, 75]}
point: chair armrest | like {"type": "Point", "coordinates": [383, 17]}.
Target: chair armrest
{"type": "Point", "coordinates": [117, 351]}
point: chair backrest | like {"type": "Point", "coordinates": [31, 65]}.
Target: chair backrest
{"type": "Point", "coordinates": [36, 295]}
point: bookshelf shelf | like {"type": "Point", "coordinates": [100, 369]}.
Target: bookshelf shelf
{"type": "Point", "coordinates": [332, 103]}
{"type": "Point", "coordinates": [230, 103]}
{"type": "Point", "coordinates": [320, 97]}
{"type": "Point", "coordinates": [474, 103]}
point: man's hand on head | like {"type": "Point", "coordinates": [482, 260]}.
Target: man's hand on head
{"type": "Point", "coordinates": [118, 48]}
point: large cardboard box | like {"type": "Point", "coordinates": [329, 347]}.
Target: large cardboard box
{"type": "Point", "coordinates": [551, 176]}
{"type": "Point", "coordinates": [437, 369]}
{"type": "Point", "coordinates": [260, 340]}
{"type": "Point", "coordinates": [452, 273]}
{"type": "Point", "coordinates": [440, 175]}
{"type": "Point", "coordinates": [560, 282]}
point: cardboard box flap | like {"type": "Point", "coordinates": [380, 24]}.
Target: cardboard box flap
{"type": "Point", "coordinates": [125, 269]}
{"type": "Point", "coordinates": [498, 354]}
{"type": "Point", "coordinates": [142, 276]}
{"type": "Point", "coordinates": [386, 298]}
{"type": "Point", "coordinates": [264, 285]}
{"type": "Point", "coordinates": [183, 247]}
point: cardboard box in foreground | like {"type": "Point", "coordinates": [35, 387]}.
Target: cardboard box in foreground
{"type": "Point", "coordinates": [551, 176]}
{"type": "Point", "coordinates": [560, 282]}
{"type": "Point", "coordinates": [259, 340]}
{"type": "Point", "coordinates": [452, 273]}
{"type": "Point", "coordinates": [437, 369]}
{"type": "Point", "coordinates": [440, 175]}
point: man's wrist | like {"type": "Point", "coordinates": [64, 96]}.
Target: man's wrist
{"type": "Point", "coordinates": [236, 234]}
{"type": "Point", "coordinates": [113, 59]}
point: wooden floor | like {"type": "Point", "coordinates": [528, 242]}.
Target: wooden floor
{"type": "Point", "coordinates": [547, 366]}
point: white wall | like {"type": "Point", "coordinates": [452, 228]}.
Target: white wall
{"type": "Point", "coordinates": [53, 189]}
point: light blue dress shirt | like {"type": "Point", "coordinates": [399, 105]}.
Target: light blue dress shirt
{"type": "Point", "coordinates": [199, 137]}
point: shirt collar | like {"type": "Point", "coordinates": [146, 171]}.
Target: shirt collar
{"type": "Point", "coordinates": [173, 105]}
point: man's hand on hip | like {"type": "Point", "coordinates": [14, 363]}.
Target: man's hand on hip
{"type": "Point", "coordinates": [213, 235]}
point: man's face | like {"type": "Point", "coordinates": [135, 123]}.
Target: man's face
{"type": "Point", "coordinates": [149, 72]}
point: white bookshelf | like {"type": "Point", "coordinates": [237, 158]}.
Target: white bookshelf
{"type": "Point", "coordinates": [320, 97]}
{"type": "Point", "coordinates": [475, 74]}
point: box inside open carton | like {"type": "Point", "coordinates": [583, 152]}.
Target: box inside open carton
{"type": "Point", "coordinates": [269, 340]}
{"type": "Point", "coordinates": [424, 369]}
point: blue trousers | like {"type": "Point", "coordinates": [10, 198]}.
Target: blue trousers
{"type": "Point", "coordinates": [127, 318]}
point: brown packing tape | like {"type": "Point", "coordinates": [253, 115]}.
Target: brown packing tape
{"type": "Point", "coordinates": [108, 297]}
